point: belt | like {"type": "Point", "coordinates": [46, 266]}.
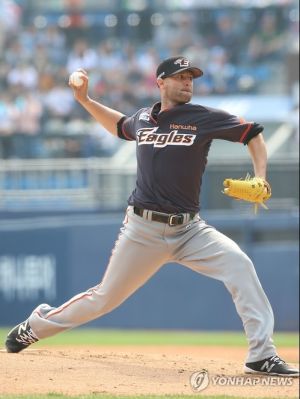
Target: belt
{"type": "Point", "coordinates": [172, 219]}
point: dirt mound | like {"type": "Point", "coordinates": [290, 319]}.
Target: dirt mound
{"type": "Point", "coordinates": [137, 370]}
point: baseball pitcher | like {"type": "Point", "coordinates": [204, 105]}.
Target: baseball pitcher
{"type": "Point", "coordinates": [162, 222]}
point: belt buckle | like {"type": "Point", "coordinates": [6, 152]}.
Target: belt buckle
{"type": "Point", "coordinates": [171, 218]}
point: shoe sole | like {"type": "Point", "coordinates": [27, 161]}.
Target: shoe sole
{"type": "Point", "coordinates": [247, 370]}
{"type": "Point", "coordinates": [10, 349]}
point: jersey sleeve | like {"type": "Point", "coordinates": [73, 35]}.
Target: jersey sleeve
{"type": "Point", "coordinates": [233, 128]}
{"type": "Point", "coordinates": [126, 129]}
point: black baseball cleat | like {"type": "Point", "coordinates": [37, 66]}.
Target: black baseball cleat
{"type": "Point", "coordinates": [271, 366]}
{"type": "Point", "coordinates": [20, 337]}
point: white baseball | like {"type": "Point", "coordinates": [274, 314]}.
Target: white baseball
{"type": "Point", "coordinates": [76, 78]}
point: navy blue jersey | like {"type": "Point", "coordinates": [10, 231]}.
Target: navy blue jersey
{"type": "Point", "coordinates": [172, 148]}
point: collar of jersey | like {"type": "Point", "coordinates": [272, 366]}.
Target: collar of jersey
{"type": "Point", "coordinates": [155, 110]}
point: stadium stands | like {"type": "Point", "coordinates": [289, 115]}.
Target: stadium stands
{"type": "Point", "coordinates": [241, 49]}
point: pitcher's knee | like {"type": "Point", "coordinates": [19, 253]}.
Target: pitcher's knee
{"type": "Point", "coordinates": [239, 262]}
{"type": "Point", "coordinates": [105, 302]}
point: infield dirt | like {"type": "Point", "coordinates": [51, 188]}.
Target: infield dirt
{"type": "Point", "coordinates": [146, 370]}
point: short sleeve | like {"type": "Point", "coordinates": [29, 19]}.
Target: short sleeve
{"type": "Point", "coordinates": [126, 129]}
{"type": "Point", "coordinates": [230, 127]}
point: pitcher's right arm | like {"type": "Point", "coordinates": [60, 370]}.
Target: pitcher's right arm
{"type": "Point", "coordinates": [106, 116]}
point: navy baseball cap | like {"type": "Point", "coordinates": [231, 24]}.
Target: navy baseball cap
{"type": "Point", "coordinates": [174, 65]}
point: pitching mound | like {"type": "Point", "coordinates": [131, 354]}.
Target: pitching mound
{"type": "Point", "coordinates": [137, 370]}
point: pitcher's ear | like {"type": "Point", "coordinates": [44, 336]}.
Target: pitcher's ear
{"type": "Point", "coordinates": [159, 82]}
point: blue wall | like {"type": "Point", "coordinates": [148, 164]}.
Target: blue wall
{"type": "Point", "coordinates": [51, 259]}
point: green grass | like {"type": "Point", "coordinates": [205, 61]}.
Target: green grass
{"type": "Point", "coordinates": [85, 336]}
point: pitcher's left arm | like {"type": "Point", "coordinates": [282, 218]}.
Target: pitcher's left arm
{"type": "Point", "coordinates": [258, 152]}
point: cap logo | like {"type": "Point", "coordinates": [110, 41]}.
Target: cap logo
{"type": "Point", "coordinates": [183, 62]}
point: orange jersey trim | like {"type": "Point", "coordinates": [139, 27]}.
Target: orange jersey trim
{"type": "Point", "coordinates": [245, 132]}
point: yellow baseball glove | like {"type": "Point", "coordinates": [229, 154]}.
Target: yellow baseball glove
{"type": "Point", "coordinates": [252, 189]}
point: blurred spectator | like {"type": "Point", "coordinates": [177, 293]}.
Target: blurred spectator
{"type": "Point", "coordinates": [10, 15]}
{"type": "Point", "coordinates": [229, 35]}
{"type": "Point", "coordinates": [147, 62]}
{"type": "Point", "coordinates": [28, 41]}
{"type": "Point", "coordinates": [13, 51]}
{"type": "Point", "coordinates": [268, 41]}
{"type": "Point", "coordinates": [38, 114]}
{"type": "Point", "coordinates": [29, 113]}
{"type": "Point", "coordinates": [81, 56]}
{"type": "Point", "coordinates": [178, 31]}
{"type": "Point", "coordinates": [108, 57]}
{"type": "Point", "coordinates": [101, 142]}
{"type": "Point", "coordinates": [24, 75]}
{"type": "Point", "coordinates": [221, 73]}
{"type": "Point", "coordinates": [54, 41]}
{"type": "Point", "coordinates": [58, 102]}
{"type": "Point", "coordinates": [7, 114]}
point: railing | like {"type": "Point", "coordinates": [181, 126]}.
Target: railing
{"type": "Point", "coordinates": [61, 184]}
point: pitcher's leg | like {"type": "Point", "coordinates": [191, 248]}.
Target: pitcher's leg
{"type": "Point", "coordinates": [213, 254]}
{"type": "Point", "coordinates": [132, 263]}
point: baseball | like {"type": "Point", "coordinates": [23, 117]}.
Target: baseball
{"type": "Point", "coordinates": [76, 79]}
